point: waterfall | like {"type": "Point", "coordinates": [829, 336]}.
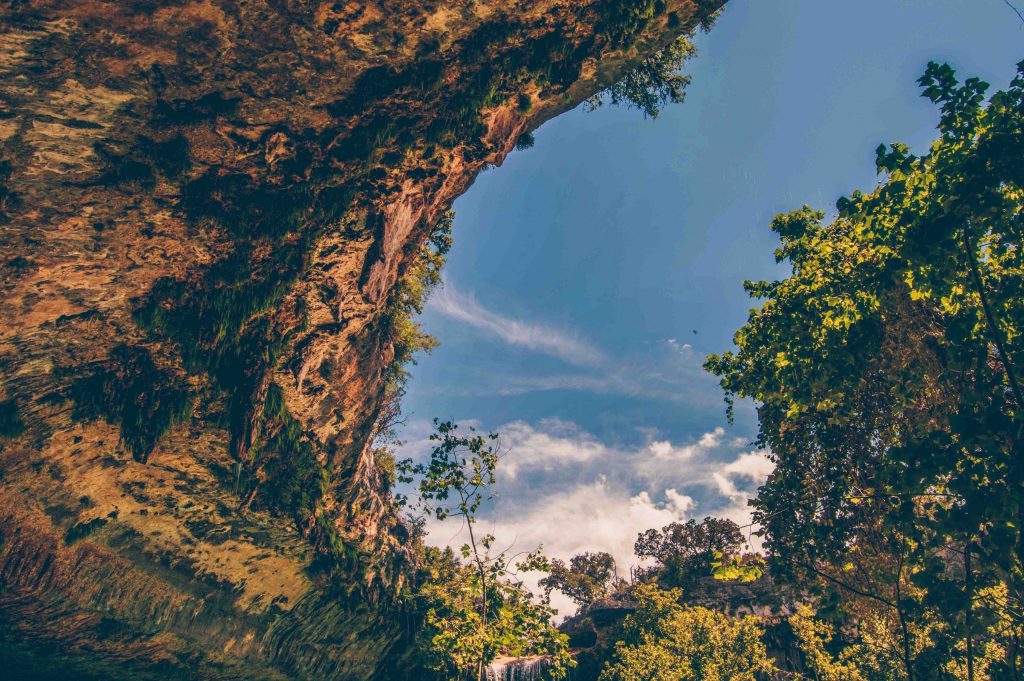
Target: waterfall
{"type": "Point", "coordinates": [516, 669]}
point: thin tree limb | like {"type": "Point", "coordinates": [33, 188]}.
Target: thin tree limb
{"type": "Point", "coordinates": [844, 585]}
{"type": "Point", "coordinates": [1016, 11]}
{"type": "Point", "coordinates": [993, 326]}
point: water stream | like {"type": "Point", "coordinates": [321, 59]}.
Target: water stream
{"type": "Point", "coordinates": [516, 669]}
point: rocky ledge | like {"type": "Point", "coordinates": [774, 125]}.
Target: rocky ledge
{"type": "Point", "coordinates": [206, 210]}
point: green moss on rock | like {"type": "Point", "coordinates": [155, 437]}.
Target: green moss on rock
{"type": "Point", "coordinates": [129, 390]}
{"type": "Point", "coordinates": [295, 480]}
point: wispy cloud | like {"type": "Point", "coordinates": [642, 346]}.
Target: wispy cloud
{"type": "Point", "coordinates": [554, 444]}
{"type": "Point", "coordinates": [664, 370]}
{"type": "Point", "coordinates": [554, 342]}
{"type": "Point", "coordinates": [610, 381]}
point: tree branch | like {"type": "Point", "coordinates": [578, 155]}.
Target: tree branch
{"type": "Point", "coordinates": [1016, 11]}
{"type": "Point", "coordinates": [844, 585]}
{"type": "Point", "coordinates": [993, 327]}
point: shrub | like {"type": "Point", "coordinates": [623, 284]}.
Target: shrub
{"type": "Point", "coordinates": [525, 141]}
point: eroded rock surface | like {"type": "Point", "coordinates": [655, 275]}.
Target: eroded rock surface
{"type": "Point", "coordinates": [204, 210]}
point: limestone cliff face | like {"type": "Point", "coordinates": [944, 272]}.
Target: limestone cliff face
{"type": "Point", "coordinates": [204, 210]}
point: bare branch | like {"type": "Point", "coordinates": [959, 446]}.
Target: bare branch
{"type": "Point", "coordinates": [1016, 11]}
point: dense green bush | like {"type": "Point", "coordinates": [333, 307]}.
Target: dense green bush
{"type": "Point", "coordinates": [666, 641]}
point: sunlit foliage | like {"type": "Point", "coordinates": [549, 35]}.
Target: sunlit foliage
{"type": "Point", "coordinates": [665, 641]}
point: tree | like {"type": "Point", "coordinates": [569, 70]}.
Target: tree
{"type": "Point", "coordinates": [588, 577]}
{"type": "Point", "coordinates": [664, 641]}
{"type": "Point", "coordinates": [461, 636]}
{"type": "Point", "coordinates": [655, 82]}
{"type": "Point", "coordinates": [885, 372]}
{"type": "Point", "coordinates": [814, 639]}
{"type": "Point", "coordinates": [686, 551]}
{"type": "Point", "coordinates": [479, 607]}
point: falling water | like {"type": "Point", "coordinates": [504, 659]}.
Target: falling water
{"type": "Point", "coordinates": [516, 669]}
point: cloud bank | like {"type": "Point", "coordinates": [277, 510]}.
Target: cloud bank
{"type": "Point", "coordinates": [561, 487]}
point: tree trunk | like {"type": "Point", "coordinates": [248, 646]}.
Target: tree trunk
{"type": "Point", "coordinates": [968, 613]}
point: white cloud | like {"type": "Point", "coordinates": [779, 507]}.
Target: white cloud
{"type": "Point", "coordinates": [680, 502]}
{"type": "Point", "coordinates": [712, 439]}
{"type": "Point", "coordinates": [663, 450]}
{"type": "Point", "coordinates": [562, 487]}
{"type": "Point", "coordinates": [755, 466]}
{"type": "Point", "coordinates": [537, 337]}
{"type": "Point", "coordinates": [679, 347]}
{"type": "Point", "coordinates": [727, 488]}
{"type": "Point", "coordinates": [555, 444]}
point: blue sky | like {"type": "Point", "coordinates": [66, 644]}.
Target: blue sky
{"type": "Point", "coordinates": [592, 273]}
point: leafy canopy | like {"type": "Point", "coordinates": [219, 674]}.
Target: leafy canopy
{"type": "Point", "coordinates": [588, 577]}
{"type": "Point", "coordinates": [687, 551]}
